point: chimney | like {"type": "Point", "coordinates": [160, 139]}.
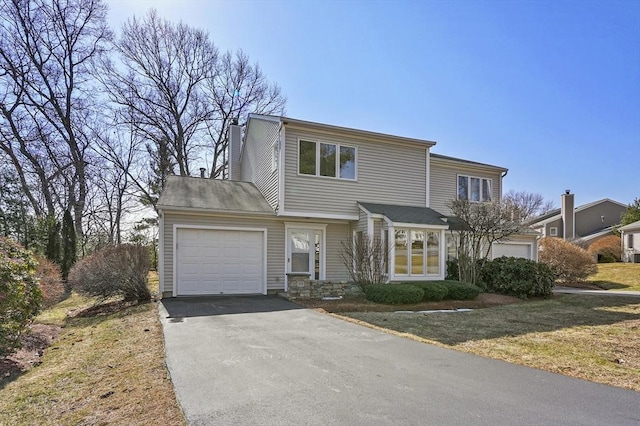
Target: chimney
{"type": "Point", "coordinates": [235, 140]}
{"type": "Point", "coordinates": [567, 211]}
{"type": "Point", "coordinates": [202, 170]}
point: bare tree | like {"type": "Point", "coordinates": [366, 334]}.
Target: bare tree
{"type": "Point", "coordinates": [46, 96]}
{"type": "Point", "coordinates": [476, 227]}
{"type": "Point", "coordinates": [526, 205]}
{"type": "Point", "coordinates": [178, 91]}
{"type": "Point", "coordinates": [366, 259]}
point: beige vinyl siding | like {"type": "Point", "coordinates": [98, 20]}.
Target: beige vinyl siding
{"type": "Point", "coordinates": [386, 173]}
{"type": "Point", "coordinates": [444, 182]}
{"type": "Point", "coordinates": [255, 164]}
{"type": "Point", "coordinates": [335, 269]}
{"type": "Point", "coordinates": [275, 243]}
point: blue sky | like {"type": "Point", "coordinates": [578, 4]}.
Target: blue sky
{"type": "Point", "coordinates": [548, 89]}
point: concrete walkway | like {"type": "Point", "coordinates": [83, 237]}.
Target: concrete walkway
{"type": "Point", "coordinates": [266, 361]}
{"type": "Point", "coordinates": [573, 290]}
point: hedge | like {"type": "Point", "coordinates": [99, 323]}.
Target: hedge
{"type": "Point", "coordinates": [393, 294]}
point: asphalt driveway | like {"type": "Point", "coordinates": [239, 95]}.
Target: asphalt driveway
{"type": "Point", "coordinates": [266, 361]}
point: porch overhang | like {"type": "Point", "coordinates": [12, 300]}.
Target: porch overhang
{"type": "Point", "coordinates": [405, 216]}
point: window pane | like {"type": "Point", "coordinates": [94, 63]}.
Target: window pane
{"type": "Point", "coordinates": [475, 189]}
{"type": "Point", "coordinates": [327, 160]}
{"type": "Point", "coordinates": [317, 239]}
{"type": "Point", "coordinates": [300, 251]}
{"type": "Point", "coordinates": [417, 252]}
{"type": "Point", "coordinates": [401, 252]}
{"type": "Point", "coordinates": [486, 190]}
{"type": "Point", "coordinates": [347, 162]}
{"type": "Point", "coordinates": [463, 188]}
{"type": "Point", "coordinates": [307, 158]}
{"type": "Point", "coordinates": [433, 253]}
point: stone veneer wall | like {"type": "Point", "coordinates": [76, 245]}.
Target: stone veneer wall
{"type": "Point", "coordinates": [302, 287]}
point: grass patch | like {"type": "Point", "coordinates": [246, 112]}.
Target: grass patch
{"type": "Point", "coordinates": [104, 369]}
{"type": "Point", "coordinates": [617, 276]}
{"type": "Point", "coordinates": [596, 338]}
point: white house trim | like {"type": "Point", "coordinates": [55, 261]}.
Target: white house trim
{"type": "Point", "coordinates": [319, 215]}
{"type": "Point", "coordinates": [427, 180]}
{"type": "Point", "coordinates": [161, 252]}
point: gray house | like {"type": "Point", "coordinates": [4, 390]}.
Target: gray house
{"type": "Point", "coordinates": [630, 236]}
{"type": "Point", "coordinates": [586, 223]}
{"type": "Point", "coordinates": [297, 191]}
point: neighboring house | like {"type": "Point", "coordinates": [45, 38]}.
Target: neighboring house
{"type": "Point", "coordinates": [297, 191]}
{"type": "Point", "coordinates": [586, 223]}
{"type": "Point", "coordinates": [630, 236]}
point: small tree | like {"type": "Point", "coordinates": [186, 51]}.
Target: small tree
{"type": "Point", "coordinates": [477, 226]}
{"type": "Point", "coordinates": [20, 296]}
{"type": "Point", "coordinates": [68, 246]}
{"type": "Point", "coordinates": [632, 214]}
{"type": "Point", "coordinates": [366, 259]}
{"type": "Point", "coordinates": [568, 262]}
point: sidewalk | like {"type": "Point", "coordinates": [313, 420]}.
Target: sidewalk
{"type": "Point", "coordinates": [573, 290]}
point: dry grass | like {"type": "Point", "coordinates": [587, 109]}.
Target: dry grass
{"type": "Point", "coordinates": [596, 338]}
{"type": "Point", "coordinates": [106, 369]}
{"type": "Point", "coordinates": [617, 276]}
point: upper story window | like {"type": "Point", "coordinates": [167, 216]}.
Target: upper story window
{"type": "Point", "coordinates": [553, 231]}
{"type": "Point", "coordinates": [326, 159]}
{"type": "Point", "coordinates": [474, 188]}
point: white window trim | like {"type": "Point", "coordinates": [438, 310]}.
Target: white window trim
{"type": "Point", "coordinates": [287, 247]}
{"type": "Point", "coordinates": [553, 231]}
{"type": "Point", "coordinates": [469, 177]}
{"type": "Point", "coordinates": [338, 145]}
{"type": "Point", "coordinates": [409, 275]}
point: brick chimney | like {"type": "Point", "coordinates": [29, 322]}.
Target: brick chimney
{"type": "Point", "coordinates": [568, 213]}
{"type": "Point", "coordinates": [235, 141]}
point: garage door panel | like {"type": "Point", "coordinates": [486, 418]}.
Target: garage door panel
{"type": "Point", "coordinates": [512, 250]}
{"type": "Point", "coordinates": [211, 261]}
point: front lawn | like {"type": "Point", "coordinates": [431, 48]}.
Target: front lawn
{"type": "Point", "coordinates": [106, 367]}
{"type": "Point", "coordinates": [617, 276]}
{"type": "Point", "coordinates": [596, 338]}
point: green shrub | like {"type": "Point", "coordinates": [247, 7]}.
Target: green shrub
{"type": "Point", "coordinates": [457, 290]}
{"type": "Point", "coordinates": [517, 277]}
{"type": "Point", "coordinates": [432, 290]}
{"type": "Point", "coordinates": [20, 296]}
{"type": "Point", "coordinates": [113, 271]}
{"type": "Point", "coordinates": [453, 273]}
{"type": "Point", "coordinates": [393, 294]}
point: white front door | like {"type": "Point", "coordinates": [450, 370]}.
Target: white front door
{"type": "Point", "coordinates": [305, 252]}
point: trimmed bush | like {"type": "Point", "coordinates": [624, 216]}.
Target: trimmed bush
{"type": "Point", "coordinates": [433, 291]}
{"type": "Point", "coordinates": [393, 294]}
{"type": "Point", "coordinates": [457, 290]}
{"type": "Point", "coordinates": [607, 249]}
{"type": "Point", "coordinates": [49, 280]}
{"type": "Point", "coordinates": [567, 261]}
{"type": "Point", "coordinates": [20, 296]}
{"type": "Point", "coordinates": [113, 271]}
{"type": "Point", "coordinates": [518, 277]}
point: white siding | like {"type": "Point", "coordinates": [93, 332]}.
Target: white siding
{"type": "Point", "coordinates": [256, 158]}
{"type": "Point", "coordinates": [386, 173]}
{"type": "Point", "coordinates": [444, 181]}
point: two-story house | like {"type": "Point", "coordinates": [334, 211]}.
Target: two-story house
{"type": "Point", "coordinates": [297, 191]}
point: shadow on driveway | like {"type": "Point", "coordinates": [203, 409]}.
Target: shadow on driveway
{"type": "Point", "coordinates": [185, 307]}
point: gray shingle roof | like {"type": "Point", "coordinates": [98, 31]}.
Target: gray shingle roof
{"type": "Point", "coordinates": [190, 193]}
{"type": "Point", "coordinates": [406, 214]}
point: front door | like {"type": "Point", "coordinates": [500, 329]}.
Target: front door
{"type": "Point", "coordinates": [305, 253]}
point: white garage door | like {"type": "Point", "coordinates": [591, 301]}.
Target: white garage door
{"type": "Point", "coordinates": [512, 250]}
{"type": "Point", "coordinates": [213, 261]}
